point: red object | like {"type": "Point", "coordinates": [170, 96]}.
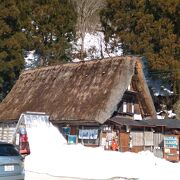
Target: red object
{"type": "Point", "coordinates": [24, 144]}
{"type": "Point", "coordinates": [24, 148]}
{"type": "Point", "coordinates": [24, 151]}
{"type": "Point", "coordinates": [114, 145]}
{"type": "Point", "coordinates": [23, 138]}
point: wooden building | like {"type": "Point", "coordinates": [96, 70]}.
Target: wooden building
{"type": "Point", "coordinates": [160, 136]}
{"type": "Point", "coordinates": [81, 97]}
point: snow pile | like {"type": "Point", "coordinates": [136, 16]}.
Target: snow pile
{"type": "Point", "coordinates": [171, 114]}
{"type": "Point", "coordinates": [51, 155]}
{"type": "Point", "coordinates": [137, 117]}
{"type": "Point", "coordinates": [162, 114]}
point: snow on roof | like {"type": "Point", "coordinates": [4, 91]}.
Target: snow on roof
{"type": "Point", "coordinates": [169, 113]}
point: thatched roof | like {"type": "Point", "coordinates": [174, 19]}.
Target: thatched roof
{"type": "Point", "coordinates": [87, 91]}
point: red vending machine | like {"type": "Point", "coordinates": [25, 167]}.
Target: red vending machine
{"type": "Point", "coordinates": [23, 141]}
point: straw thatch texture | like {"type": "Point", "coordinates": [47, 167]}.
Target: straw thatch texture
{"type": "Point", "coordinates": [143, 89]}
{"type": "Point", "coordinates": [87, 91]}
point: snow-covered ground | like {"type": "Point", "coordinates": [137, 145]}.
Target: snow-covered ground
{"type": "Point", "coordinates": [52, 157]}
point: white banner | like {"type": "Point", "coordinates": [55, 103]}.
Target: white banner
{"type": "Point", "coordinates": [88, 133]}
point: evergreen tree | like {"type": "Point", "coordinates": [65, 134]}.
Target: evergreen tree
{"type": "Point", "coordinates": [50, 28]}
{"type": "Point", "coordinates": [46, 26]}
{"type": "Point", "coordinates": [12, 41]}
{"type": "Point", "coordinates": [147, 28]}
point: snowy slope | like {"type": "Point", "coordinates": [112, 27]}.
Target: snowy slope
{"type": "Point", "coordinates": [52, 156]}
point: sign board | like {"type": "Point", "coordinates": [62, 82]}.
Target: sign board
{"type": "Point", "coordinates": [66, 130]}
{"type": "Point", "coordinates": [170, 142]}
{"type": "Point", "coordinates": [72, 139]}
{"type": "Point", "coordinates": [88, 133]}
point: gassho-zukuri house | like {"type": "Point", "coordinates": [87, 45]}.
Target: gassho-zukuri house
{"type": "Point", "coordinates": [91, 102]}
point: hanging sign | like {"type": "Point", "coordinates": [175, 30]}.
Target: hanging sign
{"type": "Point", "coordinates": [88, 133]}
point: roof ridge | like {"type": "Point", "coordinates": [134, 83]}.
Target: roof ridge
{"type": "Point", "coordinates": [71, 64]}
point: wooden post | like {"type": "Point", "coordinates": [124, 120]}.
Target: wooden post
{"type": "Point", "coordinates": [82, 141]}
{"type": "Point", "coordinates": [144, 138]}
{"type": "Point", "coordinates": [162, 129]}
{"type": "Point", "coordinates": [119, 139]}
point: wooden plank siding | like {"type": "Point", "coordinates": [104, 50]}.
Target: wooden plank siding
{"type": "Point", "coordinates": [158, 140]}
{"type": "Point", "coordinates": [137, 138]}
{"type": "Point", "coordinates": [124, 141]}
{"type": "Point", "coordinates": [7, 131]}
{"type": "Point", "coordinates": [148, 138]}
{"type": "Point", "coordinates": [137, 108]}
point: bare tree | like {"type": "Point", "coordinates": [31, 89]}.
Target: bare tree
{"type": "Point", "coordinates": [88, 19]}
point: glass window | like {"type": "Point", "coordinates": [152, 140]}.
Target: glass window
{"type": "Point", "coordinates": [8, 150]}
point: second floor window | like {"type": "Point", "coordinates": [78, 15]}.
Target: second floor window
{"type": "Point", "coordinates": [128, 107]}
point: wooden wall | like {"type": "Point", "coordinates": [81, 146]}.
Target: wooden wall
{"type": "Point", "coordinates": [124, 141]}
{"type": "Point", "coordinates": [7, 131]}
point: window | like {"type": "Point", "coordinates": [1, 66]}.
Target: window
{"type": "Point", "coordinates": [8, 150]}
{"type": "Point", "coordinates": [124, 107]}
{"type": "Point", "coordinates": [89, 135]}
{"type": "Point", "coordinates": [132, 107]}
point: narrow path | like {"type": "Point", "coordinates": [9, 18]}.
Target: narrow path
{"type": "Point", "coordinates": [39, 176]}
